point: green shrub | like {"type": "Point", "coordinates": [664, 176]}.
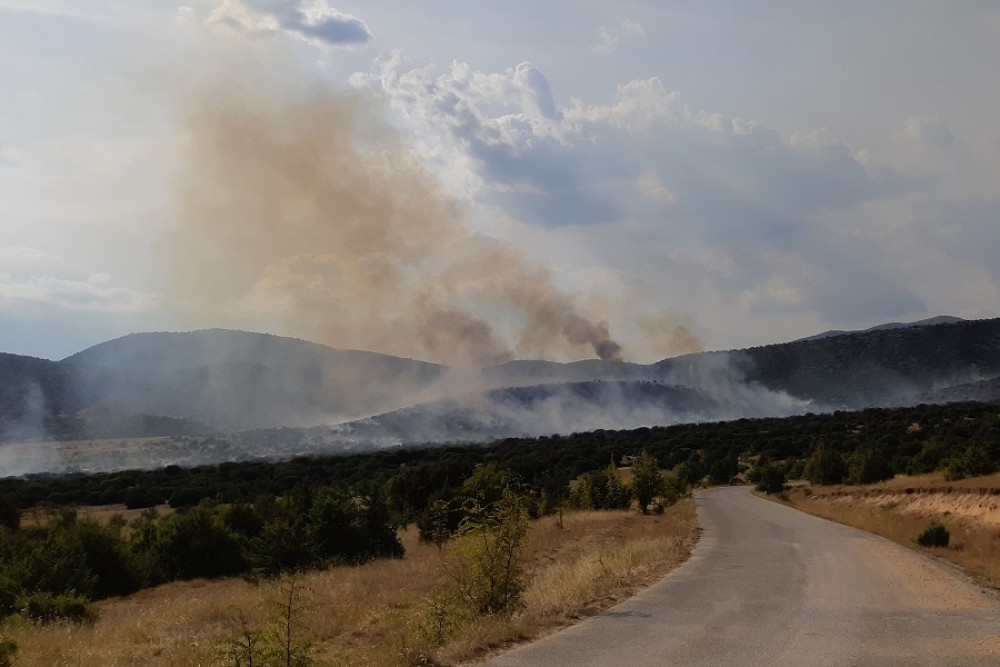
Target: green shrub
{"type": "Point", "coordinates": [196, 543]}
{"type": "Point", "coordinates": [934, 535]}
{"type": "Point", "coordinates": [488, 559]}
{"type": "Point", "coordinates": [7, 651]}
{"type": "Point", "coordinates": [771, 478]}
{"type": "Point", "coordinates": [47, 607]}
{"type": "Point", "coordinates": [825, 466]}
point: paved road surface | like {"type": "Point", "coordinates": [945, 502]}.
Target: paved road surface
{"type": "Point", "coordinates": [768, 585]}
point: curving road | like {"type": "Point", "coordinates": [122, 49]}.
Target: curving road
{"type": "Point", "coordinates": [769, 585]}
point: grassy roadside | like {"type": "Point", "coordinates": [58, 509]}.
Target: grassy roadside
{"type": "Point", "coordinates": [386, 613]}
{"type": "Point", "coordinates": [899, 509]}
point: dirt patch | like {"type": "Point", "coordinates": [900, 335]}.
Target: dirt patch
{"type": "Point", "coordinates": [981, 505]}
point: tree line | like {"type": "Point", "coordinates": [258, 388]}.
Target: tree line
{"type": "Point", "coordinates": [961, 438]}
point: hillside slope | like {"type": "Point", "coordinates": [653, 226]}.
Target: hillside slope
{"type": "Point", "coordinates": [237, 380]}
{"type": "Point", "coordinates": [222, 381]}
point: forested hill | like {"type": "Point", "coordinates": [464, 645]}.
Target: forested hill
{"type": "Point", "coordinates": [880, 367]}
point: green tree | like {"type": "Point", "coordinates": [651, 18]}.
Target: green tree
{"type": "Point", "coordinates": [723, 469]}
{"type": "Point", "coordinates": [973, 462]}
{"type": "Point", "coordinates": [825, 466]}
{"type": "Point", "coordinates": [617, 496]}
{"type": "Point", "coordinates": [488, 559]}
{"type": "Point", "coordinates": [196, 543]}
{"type": "Point", "coordinates": [771, 478]}
{"type": "Point", "coordinates": [647, 482]}
{"type": "Point", "coordinates": [869, 466]}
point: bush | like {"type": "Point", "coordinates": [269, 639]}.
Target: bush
{"type": "Point", "coordinates": [825, 466]}
{"type": "Point", "coordinates": [975, 461]}
{"type": "Point", "coordinates": [869, 466]}
{"type": "Point", "coordinates": [197, 544]}
{"type": "Point", "coordinates": [7, 651]}
{"type": "Point", "coordinates": [46, 607]}
{"type": "Point", "coordinates": [488, 560]}
{"type": "Point", "coordinates": [934, 535]}
{"type": "Point", "coordinates": [771, 478]}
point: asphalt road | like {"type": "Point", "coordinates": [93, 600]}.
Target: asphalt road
{"type": "Point", "coordinates": [769, 585]}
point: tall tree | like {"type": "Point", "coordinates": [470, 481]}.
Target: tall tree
{"type": "Point", "coordinates": [647, 483]}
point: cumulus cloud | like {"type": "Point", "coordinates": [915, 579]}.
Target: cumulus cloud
{"type": "Point", "coordinates": [646, 167]}
{"type": "Point", "coordinates": [313, 21]}
{"type": "Point", "coordinates": [613, 33]}
{"type": "Point", "coordinates": [31, 276]}
{"type": "Point", "coordinates": [567, 165]}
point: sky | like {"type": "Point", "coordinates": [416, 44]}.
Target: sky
{"type": "Point", "coordinates": [473, 181]}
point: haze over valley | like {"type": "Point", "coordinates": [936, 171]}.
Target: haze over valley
{"type": "Point", "coordinates": [155, 399]}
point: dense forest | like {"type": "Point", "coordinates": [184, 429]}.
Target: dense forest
{"type": "Point", "coordinates": [911, 440]}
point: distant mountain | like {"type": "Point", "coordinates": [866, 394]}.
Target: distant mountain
{"type": "Point", "coordinates": [219, 381]}
{"type": "Point", "coordinates": [881, 367]}
{"type": "Point", "coordinates": [940, 319]}
{"type": "Point", "coordinates": [235, 380]}
{"type": "Point", "coordinates": [36, 398]}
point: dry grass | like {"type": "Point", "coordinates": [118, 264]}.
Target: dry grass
{"type": "Point", "coordinates": [377, 614]}
{"type": "Point", "coordinates": [100, 513]}
{"type": "Point", "coordinates": [901, 508]}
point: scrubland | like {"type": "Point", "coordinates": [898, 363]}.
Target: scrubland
{"type": "Point", "coordinates": [385, 613]}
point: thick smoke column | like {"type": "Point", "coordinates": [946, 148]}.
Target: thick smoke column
{"type": "Point", "coordinates": [302, 200]}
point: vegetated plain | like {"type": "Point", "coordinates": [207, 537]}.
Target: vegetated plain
{"type": "Point", "coordinates": [277, 518]}
{"type": "Point", "coordinates": [383, 613]}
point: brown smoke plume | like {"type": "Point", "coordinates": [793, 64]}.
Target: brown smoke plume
{"type": "Point", "coordinates": [305, 202]}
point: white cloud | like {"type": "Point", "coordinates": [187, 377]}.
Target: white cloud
{"type": "Point", "coordinates": [707, 185]}
{"type": "Point", "coordinates": [30, 275]}
{"type": "Point", "coordinates": [74, 295]}
{"type": "Point", "coordinates": [313, 21]}
{"type": "Point", "coordinates": [613, 33]}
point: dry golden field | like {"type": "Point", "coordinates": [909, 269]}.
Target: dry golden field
{"type": "Point", "coordinates": [382, 614]}
{"type": "Point", "coordinates": [901, 508]}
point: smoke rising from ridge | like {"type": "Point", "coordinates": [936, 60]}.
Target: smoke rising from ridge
{"type": "Point", "coordinates": [302, 200]}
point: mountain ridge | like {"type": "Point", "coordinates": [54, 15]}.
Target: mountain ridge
{"type": "Point", "coordinates": [224, 381]}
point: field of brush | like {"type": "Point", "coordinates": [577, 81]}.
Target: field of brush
{"type": "Point", "coordinates": [386, 613]}
{"type": "Point", "coordinates": [901, 508]}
